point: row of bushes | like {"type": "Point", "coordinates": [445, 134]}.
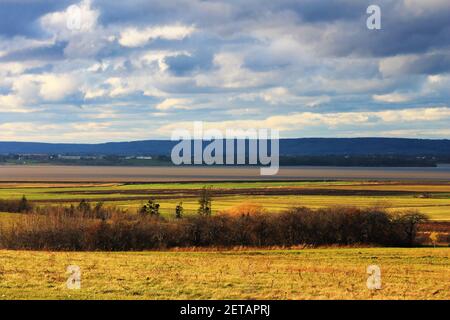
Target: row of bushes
{"type": "Point", "coordinates": [58, 229]}
{"type": "Point", "coordinates": [84, 210]}
{"type": "Point", "coordinates": [21, 206]}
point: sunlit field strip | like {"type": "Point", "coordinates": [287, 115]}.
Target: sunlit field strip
{"type": "Point", "coordinates": [61, 192]}
{"type": "Point", "coordinates": [51, 191]}
{"type": "Point", "coordinates": [437, 209]}
{"type": "Point", "coordinates": [46, 191]}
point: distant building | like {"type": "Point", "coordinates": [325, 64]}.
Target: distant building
{"type": "Point", "coordinates": [139, 157]}
{"type": "Point", "coordinates": [69, 157]}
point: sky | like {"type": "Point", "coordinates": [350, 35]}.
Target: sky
{"type": "Point", "coordinates": [100, 70]}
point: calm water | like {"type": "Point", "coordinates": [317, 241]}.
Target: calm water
{"type": "Point", "coordinates": [150, 174]}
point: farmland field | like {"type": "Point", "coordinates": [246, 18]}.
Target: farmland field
{"type": "Point", "coordinates": [257, 274]}
{"type": "Point", "coordinates": [237, 273]}
{"type": "Point", "coordinates": [431, 198]}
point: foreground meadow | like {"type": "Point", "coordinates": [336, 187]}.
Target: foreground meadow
{"type": "Point", "coordinates": [416, 273]}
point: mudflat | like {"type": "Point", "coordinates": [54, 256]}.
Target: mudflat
{"type": "Point", "coordinates": [169, 174]}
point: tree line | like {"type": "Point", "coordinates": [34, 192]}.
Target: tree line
{"type": "Point", "coordinates": [89, 226]}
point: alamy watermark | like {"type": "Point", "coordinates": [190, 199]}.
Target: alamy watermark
{"type": "Point", "coordinates": [73, 18]}
{"type": "Point", "coordinates": [78, 19]}
{"type": "Point", "coordinates": [374, 279]}
{"type": "Point", "coordinates": [74, 280]}
{"type": "Point", "coordinates": [373, 22]}
{"type": "Point", "coordinates": [232, 147]}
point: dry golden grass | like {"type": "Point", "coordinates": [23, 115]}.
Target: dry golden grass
{"type": "Point", "coordinates": [332, 273]}
{"type": "Point", "coordinates": [246, 208]}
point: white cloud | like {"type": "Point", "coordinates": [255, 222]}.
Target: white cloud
{"type": "Point", "coordinates": [281, 95]}
{"type": "Point", "coordinates": [27, 131]}
{"type": "Point", "coordinates": [230, 73]}
{"type": "Point", "coordinates": [27, 87]}
{"type": "Point", "coordinates": [94, 93]}
{"type": "Point", "coordinates": [300, 121]}
{"type": "Point", "coordinates": [437, 83]}
{"type": "Point", "coordinates": [436, 79]}
{"type": "Point", "coordinates": [98, 67]}
{"type": "Point", "coordinates": [57, 86]}
{"type": "Point", "coordinates": [11, 103]}
{"type": "Point", "coordinates": [133, 37]}
{"type": "Point", "coordinates": [12, 68]}
{"type": "Point", "coordinates": [392, 97]}
{"type": "Point", "coordinates": [89, 126]}
{"type": "Point", "coordinates": [172, 103]}
{"type": "Point", "coordinates": [77, 25]}
{"type": "Point", "coordinates": [28, 90]}
{"type": "Point", "coordinates": [135, 83]}
{"type": "Point", "coordinates": [148, 58]}
{"type": "Point", "coordinates": [411, 115]}
{"type": "Point", "coordinates": [79, 18]}
{"type": "Point", "coordinates": [118, 87]}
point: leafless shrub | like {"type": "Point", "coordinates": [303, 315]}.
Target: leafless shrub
{"type": "Point", "coordinates": [77, 228]}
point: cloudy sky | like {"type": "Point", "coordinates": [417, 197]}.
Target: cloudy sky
{"type": "Point", "coordinates": [137, 69]}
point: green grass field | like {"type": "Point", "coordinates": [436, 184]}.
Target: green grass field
{"type": "Point", "coordinates": [274, 274]}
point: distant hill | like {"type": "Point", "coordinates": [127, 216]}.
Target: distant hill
{"type": "Point", "coordinates": [153, 147]}
{"type": "Point", "coordinates": [288, 147]}
{"type": "Point", "coordinates": [364, 146]}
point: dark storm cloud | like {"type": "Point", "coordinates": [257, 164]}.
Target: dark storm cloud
{"type": "Point", "coordinates": [325, 11]}
{"type": "Point", "coordinates": [403, 32]}
{"type": "Point", "coordinates": [430, 64]}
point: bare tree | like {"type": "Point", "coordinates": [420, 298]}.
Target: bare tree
{"type": "Point", "coordinates": [205, 202]}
